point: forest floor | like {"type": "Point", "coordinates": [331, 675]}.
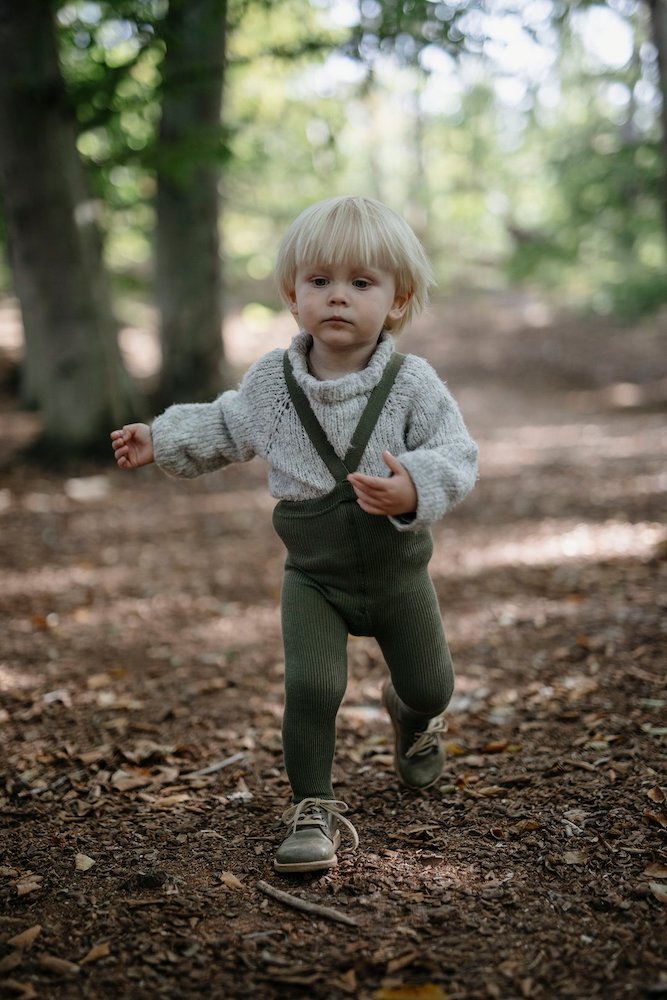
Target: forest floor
{"type": "Point", "coordinates": [141, 695]}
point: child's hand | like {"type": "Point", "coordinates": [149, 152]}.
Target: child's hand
{"type": "Point", "coordinates": [391, 496]}
{"type": "Point", "coordinates": [133, 446]}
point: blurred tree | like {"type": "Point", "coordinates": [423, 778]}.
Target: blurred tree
{"type": "Point", "coordinates": [73, 370]}
{"type": "Point", "coordinates": [658, 10]}
{"type": "Point", "coordinates": [188, 155]}
{"type": "Point", "coordinates": [585, 201]}
{"type": "Point", "coordinates": [147, 79]}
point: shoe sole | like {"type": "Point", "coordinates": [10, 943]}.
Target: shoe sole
{"type": "Point", "coordinates": [306, 866]}
{"type": "Point", "coordinates": [397, 736]}
{"type": "Point", "coordinates": [324, 864]}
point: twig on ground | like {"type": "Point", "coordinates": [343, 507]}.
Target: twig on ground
{"type": "Point", "coordinates": [301, 904]}
{"type": "Point", "coordinates": [218, 766]}
{"type": "Point", "coordinates": [583, 765]}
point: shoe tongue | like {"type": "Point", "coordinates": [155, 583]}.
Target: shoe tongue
{"type": "Point", "coordinates": [313, 817]}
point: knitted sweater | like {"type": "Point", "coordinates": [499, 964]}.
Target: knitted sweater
{"type": "Point", "coordinates": [420, 425]}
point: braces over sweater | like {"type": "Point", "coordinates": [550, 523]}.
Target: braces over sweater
{"type": "Point", "coordinates": [421, 425]}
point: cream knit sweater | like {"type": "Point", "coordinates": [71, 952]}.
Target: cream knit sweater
{"type": "Point", "coordinates": [420, 425]}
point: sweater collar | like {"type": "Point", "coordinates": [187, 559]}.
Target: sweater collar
{"type": "Point", "coordinates": [340, 389]}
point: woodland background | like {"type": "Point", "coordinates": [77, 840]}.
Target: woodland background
{"type": "Point", "coordinates": [151, 155]}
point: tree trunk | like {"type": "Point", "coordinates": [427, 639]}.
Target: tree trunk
{"type": "Point", "coordinates": [73, 371]}
{"type": "Point", "coordinates": [188, 266]}
{"type": "Point", "coordinates": [658, 9]}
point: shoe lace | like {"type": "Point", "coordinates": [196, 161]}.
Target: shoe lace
{"type": "Point", "coordinates": [311, 812]}
{"type": "Point", "coordinates": [427, 741]}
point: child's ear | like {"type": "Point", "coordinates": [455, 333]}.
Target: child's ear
{"type": "Point", "coordinates": [291, 299]}
{"type": "Point", "coordinates": [401, 303]}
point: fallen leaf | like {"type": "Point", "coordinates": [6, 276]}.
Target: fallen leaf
{"type": "Point", "coordinates": [11, 961]}
{"type": "Point", "coordinates": [169, 801]}
{"type": "Point", "coordinates": [82, 862]}
{"type": "Point", "coordinates": [26, 938]}
{"type": "Point", "coordinates": [653, 871]}
{"type": "Point", "coordinates": [97, 952]}
{"type": "Point", "coordinates": [58, 965]}
{"type": "Point", "coordinates": [396, 964]}
{"type": "Point", "coordinates": [575, 857]}
{"type": "Point", "coordinates": [24, 991]}
{"type": "Point", "coordinates": [95, 755]}
{"type": "Point", "coordinates": [658, 818]}
{"type": "Point", "coordinates": [422, 830]}
{"type": "Point", "coordinates": [525, 826]}
{"type": "Point", "coordinates": [95, 681]}
{"type": "Point", "coordinates": [31, 883]}
{"type": "Point", "coordinates": [346, 982]}
{"type": "Point", "coordinates": [659, 890]}
{"type": "Point", "coordinates": [231, 881]}
{"type": "Point", "coordinates": [656, 794]}
{"type": "Point", "coordinates": [578, 816]}
{"type": "Point", "coordinates": [147, 750]}
{"type": "Point", "coordinates": [425, 991]}
{"type": "Point", "coordinates": [491, 790]}
{"type": "Point", "coordinates": [242, 793]}
{"type": "Point", "coordinates": [125, 781]}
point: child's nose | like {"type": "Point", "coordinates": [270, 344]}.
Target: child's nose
{"type": "Point", "coordinates": [337, 292]}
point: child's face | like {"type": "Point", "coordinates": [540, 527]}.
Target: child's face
{"type": "Point", "coordinates": [344, 306]}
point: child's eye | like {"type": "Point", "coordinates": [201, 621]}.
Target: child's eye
{"type": "Point", "coordinates": [319, 282]}
{"type": "Point", "coordinates": [361, 283]}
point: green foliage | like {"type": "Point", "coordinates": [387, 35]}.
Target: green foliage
{"type": "Point", "coordinates": [559, 182]}
{"type": "Point", "coordinates": [600, 234]}
{"type": "Point", "coordinates": [403, 28]}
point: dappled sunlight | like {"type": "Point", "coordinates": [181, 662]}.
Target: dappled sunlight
{"type": "Point", "coordinates": [140, 348]}
{"type": "Point", "coordinates": [239, 502]}
{"type": "Point", "coordinates": [472, 623]}
{"type": "Point", "coordinates": [548, 543]}
{"type": "Point", "coordinates": [239, 627]}
{"type": "Point", "coordinates": [428, 868]}
{"type": "Point", "coordinates": [577, 444]}
{"type": "Point", "coordinates": [11, 330]}
{"type": "Point", "coordinates": [60, 580]}
{"type": "Point", "coordinates": [16, 679]}
{"type": "Point", "coordinates": [255, 330]}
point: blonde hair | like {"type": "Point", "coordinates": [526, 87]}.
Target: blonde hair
{"type": "Point", "coordinates": [357, 231]}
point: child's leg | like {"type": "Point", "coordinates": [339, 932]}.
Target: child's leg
{"type": "Point", "coordinates": [422, 680]}
{"type": "Point", "coordinates": [315, 639]}
{"type": "Point", "coordinates": [413, 643]}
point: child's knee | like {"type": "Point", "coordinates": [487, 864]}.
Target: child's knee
{"type": "Point", "coordinates": [315, 692]}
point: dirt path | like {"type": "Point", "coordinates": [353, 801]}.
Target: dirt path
{"type": "Point", "coordinates": [141, 649]}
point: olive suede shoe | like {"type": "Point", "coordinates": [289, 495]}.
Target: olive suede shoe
{"type": "Point", "coordinates": [315, 836]}
{"type": "Point", "coordinates": [418, 754]}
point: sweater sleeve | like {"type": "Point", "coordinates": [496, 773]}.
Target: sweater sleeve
{"type": "Point", "coordinates": [190, 439]}
{"type": "Point", "coordinates": [441, 457]}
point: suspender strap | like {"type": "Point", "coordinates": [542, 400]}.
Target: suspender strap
{"type": "Point", "coordinates": [312, 426]}
{"type": "Point", "coordinates": [371, 414]}
{"type": "Point", "coordinates": [340, 468]}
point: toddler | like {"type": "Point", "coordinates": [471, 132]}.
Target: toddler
{"type": "Point", "coordinates": [365, 448]}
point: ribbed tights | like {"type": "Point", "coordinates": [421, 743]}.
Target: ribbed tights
{"type": "Point", "coordinates": [408, 628]}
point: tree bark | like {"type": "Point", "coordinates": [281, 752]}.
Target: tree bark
{"type": "Point", "coordinates": [188, 265]}
{"type": "Point", "coordinates": [658, 11]}
{"type": "Point", "coordinates": [73, 370]}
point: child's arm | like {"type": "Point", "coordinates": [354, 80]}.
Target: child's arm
{"type": "Point", "coordinates": [133, 446]}
{"type": "Point", "coordinates": [439, 460]}
{"type": "Point", "coordinates": [393, 496]}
